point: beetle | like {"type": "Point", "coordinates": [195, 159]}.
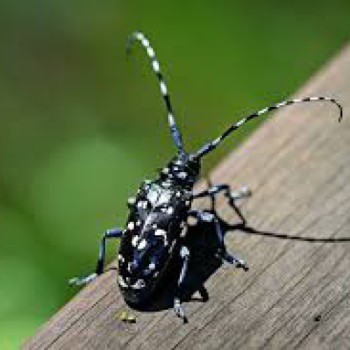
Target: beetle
{"type": "Point", "coordinates": [158, 216]}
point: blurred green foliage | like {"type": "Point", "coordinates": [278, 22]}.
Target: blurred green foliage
{"type": "Point", "coordinates": [81, 125]}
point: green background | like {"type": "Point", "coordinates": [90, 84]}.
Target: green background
{"type": "Point", "coordinates": [81, 125]}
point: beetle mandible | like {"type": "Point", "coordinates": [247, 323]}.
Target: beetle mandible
{"type": "Point", "coordinates": [159, 212]}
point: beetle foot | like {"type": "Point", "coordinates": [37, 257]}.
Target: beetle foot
{"type": "Point", "coordinates": [241, 193]}
{"type": "Point", "coordinates": [234, 260]}
{"type": "Point", "coordinates": [78, 281]}
{"type": "Point", "coordinates": [179, 310]}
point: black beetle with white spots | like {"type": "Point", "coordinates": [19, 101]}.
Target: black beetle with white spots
{"type": "Point", "coordinates": [157, 222]}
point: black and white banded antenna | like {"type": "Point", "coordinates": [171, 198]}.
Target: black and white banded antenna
{"type": "Point", "coordinates": [210, 146]}
{"type": "Point", "coordinates": [175, 133]}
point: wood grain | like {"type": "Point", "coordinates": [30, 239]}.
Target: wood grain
{"type": "Point", "coordinates": [297, 291]}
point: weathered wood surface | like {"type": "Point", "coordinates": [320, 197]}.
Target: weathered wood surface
{"type": "Point", "coordinates": [297, 292]}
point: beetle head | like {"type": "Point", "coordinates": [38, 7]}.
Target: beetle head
{"type": "Point", "coordinates": [183, 170]}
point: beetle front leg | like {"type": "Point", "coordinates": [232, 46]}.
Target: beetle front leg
{"type": "Point", "coordinates": [112, 233]}
{"type": "Point", "coordinates": [206, 216]}
{"type": "Point", "coordinates": [185, 256]}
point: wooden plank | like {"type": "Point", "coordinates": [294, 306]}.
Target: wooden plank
{"type": "Point", "coordinates": [297, 291]}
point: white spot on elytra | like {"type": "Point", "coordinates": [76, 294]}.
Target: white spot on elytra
{"type": "Point", "coordinates": [121, 258]}
{"type": "Point", "coordinates": [138, 222]}
{"type": "Point", "coordinates": [152, 266]}
{"type": "Point", "coordinates": [135, 241]}
{"type": "Point", "coordinates": [139, 284]}
{"type": "Point", "coordinates": [131, 225]}
{"type": "Point", "coordinates": [160, 232]}
{"type": "Point", "coordinates": [170, 210]}
{"type": "Point", "coordinates": [178, 194]}
{"type": "Point", "coordinates": [142, 244]}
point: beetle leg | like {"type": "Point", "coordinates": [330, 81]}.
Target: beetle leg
{"type": "Point", "coordinates": [212, 197]}
{"type": "Point", "coordinates": [212, 191]}
{"type": "Point", "coordinates": [185, 256]}
{"type": "Point", "coordinates": [112, 233]}
{"type": "Point", "coordinates": [206, 216]}
{"type": "Point", "coordinates": [231, 195]}
{"type": "Point", "coordinates": [233, 259]}
{"type": "Point", "coordinates": [203, 293]}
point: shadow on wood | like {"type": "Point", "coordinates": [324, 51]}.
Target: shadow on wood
{"type": "Point", "coordinates": [203, 244]}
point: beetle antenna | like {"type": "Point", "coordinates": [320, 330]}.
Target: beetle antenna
{"type": "Point", "coordinates": [175, 133]}
{"type": "Point", "coordinates": [210, 146]}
